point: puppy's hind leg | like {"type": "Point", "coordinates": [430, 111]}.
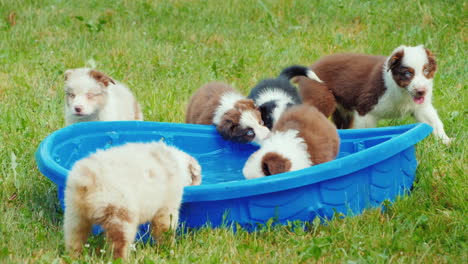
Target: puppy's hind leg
{"type": "Point", "coordinates": [76, 230]}
{"type": "Point", "coordinates": [121, 234]}
{"type": "Point", "coordinates": [164, 224]}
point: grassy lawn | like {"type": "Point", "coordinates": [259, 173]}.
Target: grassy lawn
{"type": "Point", "coordinates": [164, 50]}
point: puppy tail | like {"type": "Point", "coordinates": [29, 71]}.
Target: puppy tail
{"type": "Point", "coordinates": [299, 70]}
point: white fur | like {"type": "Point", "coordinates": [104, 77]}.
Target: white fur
{"type": "Point", "coordinates": [118, 103]}
{"type": "Point", "coordinates": [249, 119]}
{"type": "Point", "coordinates": [282, 100]}
{"type": "Point", "coordinates": [311, 75]}
{"type": "Point", "coordinates": [228, 100]}
{"type": "Point", "coordinates": [397, 101]}
{"type": "Point", "coordinates": [287, 144]}
{"type": "Point", "coordinates": [146, 180]}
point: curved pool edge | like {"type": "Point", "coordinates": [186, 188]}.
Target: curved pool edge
{"type": "Point", "coordinates": [412, 134]}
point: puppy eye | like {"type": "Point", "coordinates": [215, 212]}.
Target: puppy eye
{"type": "Point", "coordinates": [426, 71]}
{"type": "Point", "coordinates": [71, 95]}
{"type": "Point", "coordinates": [250, 133]}
{"type": "Point", "coordinates": [89, 96]}
{"type": "Point", "coordinates": [408, 74]}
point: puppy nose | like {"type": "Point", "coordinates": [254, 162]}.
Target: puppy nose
{"type": "Point", "coordinates": [78, 109]}
{"type": "Point", "coordinates": [420, 91]}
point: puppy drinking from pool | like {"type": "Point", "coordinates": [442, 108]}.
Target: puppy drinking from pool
{"type": "Point", "coordinates": [93, 96]}
{"type": "Point", "coordinates": [236, 118]}
{"type": "Point", "coordinates": [124, 186]}
{"type": "Point", "coordinates": [302, 137]}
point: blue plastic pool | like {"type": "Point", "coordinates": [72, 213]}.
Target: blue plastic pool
{"type": "Point", "coordinates": [373, 165]}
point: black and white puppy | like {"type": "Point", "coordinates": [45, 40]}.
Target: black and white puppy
{"type": "Point", "coordinates": [274, 96]}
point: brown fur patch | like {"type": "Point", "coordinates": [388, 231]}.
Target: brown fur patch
{"type": "Point", "coordinates": [101, 77]}
{"type": "Point", "coordinates": [316, 94]}
{"type": "Point", "coordinates": [274, 163]}
{"type": "Point", "coordinates": [116, 234]}
{"type": "Point", "coordinates": [204, 102]}
{"type": "Point", "coordinates": [112, 212]}
{"type": "Point", "coordinates": [399, 72]}
{"type": "Point", "coordinates": [431, 66]}
{"type": "Point", "coordinates": [319, 134]}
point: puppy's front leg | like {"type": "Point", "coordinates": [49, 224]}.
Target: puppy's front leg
{"type": "Point", "coordinates": [428, 114]}
{"type": "Point", "coordinates": [365, 121]}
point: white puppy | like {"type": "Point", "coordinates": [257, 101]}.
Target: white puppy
{"type": "Point", "coordinates": [123, 187]}
{"type": "Point", "coordinates": [93, 96]}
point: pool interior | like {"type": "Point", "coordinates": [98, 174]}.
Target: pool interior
{"type": "Point", "coordinates": [221, 161]}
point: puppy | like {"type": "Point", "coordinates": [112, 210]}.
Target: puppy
{"type": "Point", "coordinates": [302, 137]}
{"type": "Point", "coordinates": [236, 118]}
{"type": "Point", "coordinates": [122, 187]}
{"type": "Point", "coordinates": [369, 88]}
{"type": "Point", "coordinates": [274, 96]}
{"type": "Point", "coordinates": [93, 96]}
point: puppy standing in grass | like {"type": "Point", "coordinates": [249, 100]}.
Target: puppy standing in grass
{"type": "Point", "coordinates": [236, 118]}
{"type": "Point", "coordinates": [93, 96]}
{"type": "Point", "coordinates": [368, 88]}
{"type": "Point", "coordinates": [123, 187]}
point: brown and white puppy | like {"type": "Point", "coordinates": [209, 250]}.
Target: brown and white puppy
{"type": "Point", "coordinates": [93, 96]}
{"type": "Point", "coordinates": [236, 118]}
{"type": "Point", "coordinates": [368, 88]}
{"type": "Point", "coordinates": [122, 187]}
{"type": "Point", "coordinates": [302, 137]}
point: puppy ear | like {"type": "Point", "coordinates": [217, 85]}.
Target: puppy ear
{"type": "Point", "coordinates": [101, 77]}
{"type": "Point", "coordinates": [67, 74]}
{"type": "Point", "coordinates": [273, 163]}
{"type": "Point", "coordinates": [194, 169]}
{"type": "Point", "coordinates": [228, 121]}
{"type": "Point", "coordinates": [432, 60]}
{"type": "Point", "coordinates": [395, 59]}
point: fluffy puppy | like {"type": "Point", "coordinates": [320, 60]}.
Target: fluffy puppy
{"type": "Point", "coordinates": [274, 96]}
{"type": "Point", "coordinates": [236, 118]}
{"type": "Point", "coordinates": [122, 187]}
{"type": "Point", "coordinates": [368, 88]}
{"type": "Point", "coordinates": [302, 137]}
{"type": "Point", "coordinates": [93, 96]}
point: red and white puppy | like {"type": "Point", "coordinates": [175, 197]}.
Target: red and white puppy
{"type": "Point", "coordinates": [93, 96]}
{"type": "Point", "coordinates": [302, 137]}
{"type": "Point", "coordinates": [369, 88]}
{"type": "Point", "coordinates": [122, 187]}
{"type": "Point", "coordinates": [235, 117]}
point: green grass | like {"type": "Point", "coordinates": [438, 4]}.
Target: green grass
{"type": "Point", "coordinates": [164, 50]}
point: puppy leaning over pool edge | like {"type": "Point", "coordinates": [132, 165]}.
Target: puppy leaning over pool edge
{"type": "Point", "coordinates": [124, 186]}
{"type": "Point", "coordinates": [93, 96]}
{"type": "Point", "coordinates": [236, 118]}
{"type": "Point", "coordinates": [302, 137]}
{"type": "Point", "coordinates": [368, 88]}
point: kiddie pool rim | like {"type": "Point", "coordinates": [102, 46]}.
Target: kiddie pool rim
{"type": "Point", "coordinates": [410, 135]}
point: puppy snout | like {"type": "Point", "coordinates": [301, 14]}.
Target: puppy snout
{"type": "Point", "coordinates": [420, 91]}
{"type": "Point", "coordinates": [78, 108]}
